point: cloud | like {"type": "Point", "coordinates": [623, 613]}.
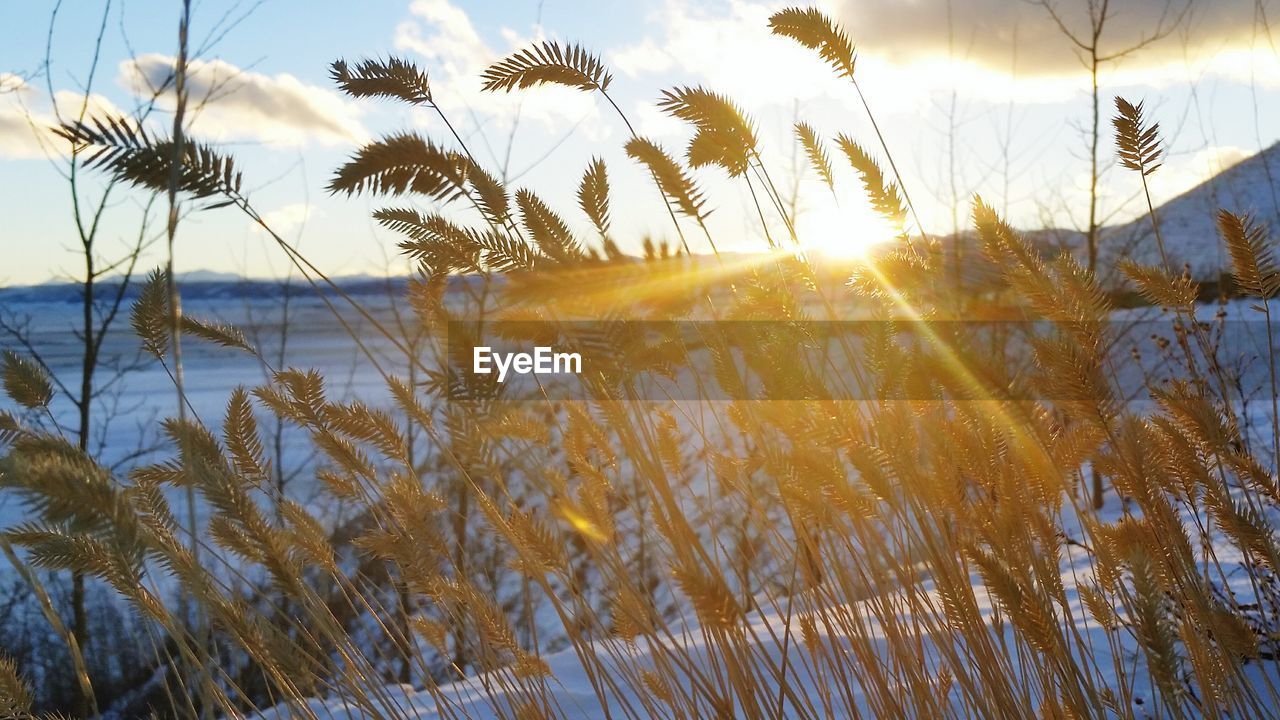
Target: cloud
{"type": "Point", "coordinates": [12, 83]}
{"type": "Point", "coordinates": [18, 139]}
{"type": "Point", "coordinates": [908, 51]}
{"type": "Point", "coordinates": [27, 120]}
{"type": "Point", "coordinates": [287, 218]}
{"type": "Point", "coordinates": [229, 103]}
{"type": "Point", "coordinates": [19, 129]}
{"type": "Point", "coordinates": [731, 50]}
{"type": "Point", "coordinates": [456, 56]}
{"type": "Point", "coordinates": [72, 105]}
{"type": "Point", "coordinates": [988, 31]}
{"type": "Point", "coordinates": [643, 58]}
{"type": "Point", "coordinates": [1181, 173]}
{"type": "Point", "coordinates": [1218, 159]}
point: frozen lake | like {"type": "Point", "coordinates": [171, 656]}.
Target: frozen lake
{"type": "Point", "coordinates": [137, 392]}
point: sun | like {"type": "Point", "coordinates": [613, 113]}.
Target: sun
{"type": "Point", "coordinates": [848, 231]}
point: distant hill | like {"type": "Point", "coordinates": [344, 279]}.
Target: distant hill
{"type": "Point", "coordinates": [210, 276]}
{"type": "Point", "coordinates": [1188, 222]}
{"type": "Point", "coordinates": [205, 285]}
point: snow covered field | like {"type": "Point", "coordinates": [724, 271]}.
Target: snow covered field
{"type": "Point", "coordinates": [568, 686]}
{"type": "Point", "coordinates": [316, 341]}
{"type": "Point", "coordinates": [133, 403]}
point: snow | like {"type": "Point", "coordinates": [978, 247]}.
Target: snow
{"type": "Point", "coordinates": [212, 373]}
{"type": "Point", "coordinates": [1242, 334]}
{"type": "Point", "coordinates": [132, 405]}
{"type": "Point", "coordinates": [568, 685]}
{"type": "Point", "coordinates": [1188, 223]}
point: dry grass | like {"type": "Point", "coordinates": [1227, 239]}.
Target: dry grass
{"type": "Point", "coordinates": [876, 528]}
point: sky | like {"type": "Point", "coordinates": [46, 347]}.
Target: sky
{"type": "Point", "coordinates": [973, 96]}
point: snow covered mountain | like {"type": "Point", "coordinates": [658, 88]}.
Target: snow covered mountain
{"type": "Point", "coordinates": [1188, 222]}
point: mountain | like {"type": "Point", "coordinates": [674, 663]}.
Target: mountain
{"type": "Point", "coordinates": [205, 285]}
{"type": "Point", "coordinates": [207, 276]}
{"type": "Point", "coordinates": [1188, 223]}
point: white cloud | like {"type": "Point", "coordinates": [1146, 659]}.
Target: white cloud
{"type": "Point", "coordinates": [12, 82]}
{"type": "Point", "coordinates": [985, 31]}
{"type": "Point", "coordinates": [456, 56]}
{"type": "Point", "coordinates": [1181, 173]}
{"type": "Point", "coordinates": [287, 218]}
{"type": "Point", "coordinates": [733, 52]}
{"type": "Point", "coordinates": [905, 55]}
{"type": "Point", "coordinates": [1214, 160]}
{"type": "Point", "coordinates": [653, 123]}
{"type": "Point", "coordinates": [27, 120]}
{"type": "Point", "coordinates": [643, 58]}
{"type": "Point", "coordinates": [229, 103]}
{"type": "Point", "coordinates": [73, 105]}
{"type": "Point", "coordinates": [1121, 192]}
{"type": "Point", "coordinates": [18, 138]}
{"type": "Point", "coordinates": [20, 130]}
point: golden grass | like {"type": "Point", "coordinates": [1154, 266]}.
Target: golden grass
{"type": "Point", "coordinates": [862, 525]}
